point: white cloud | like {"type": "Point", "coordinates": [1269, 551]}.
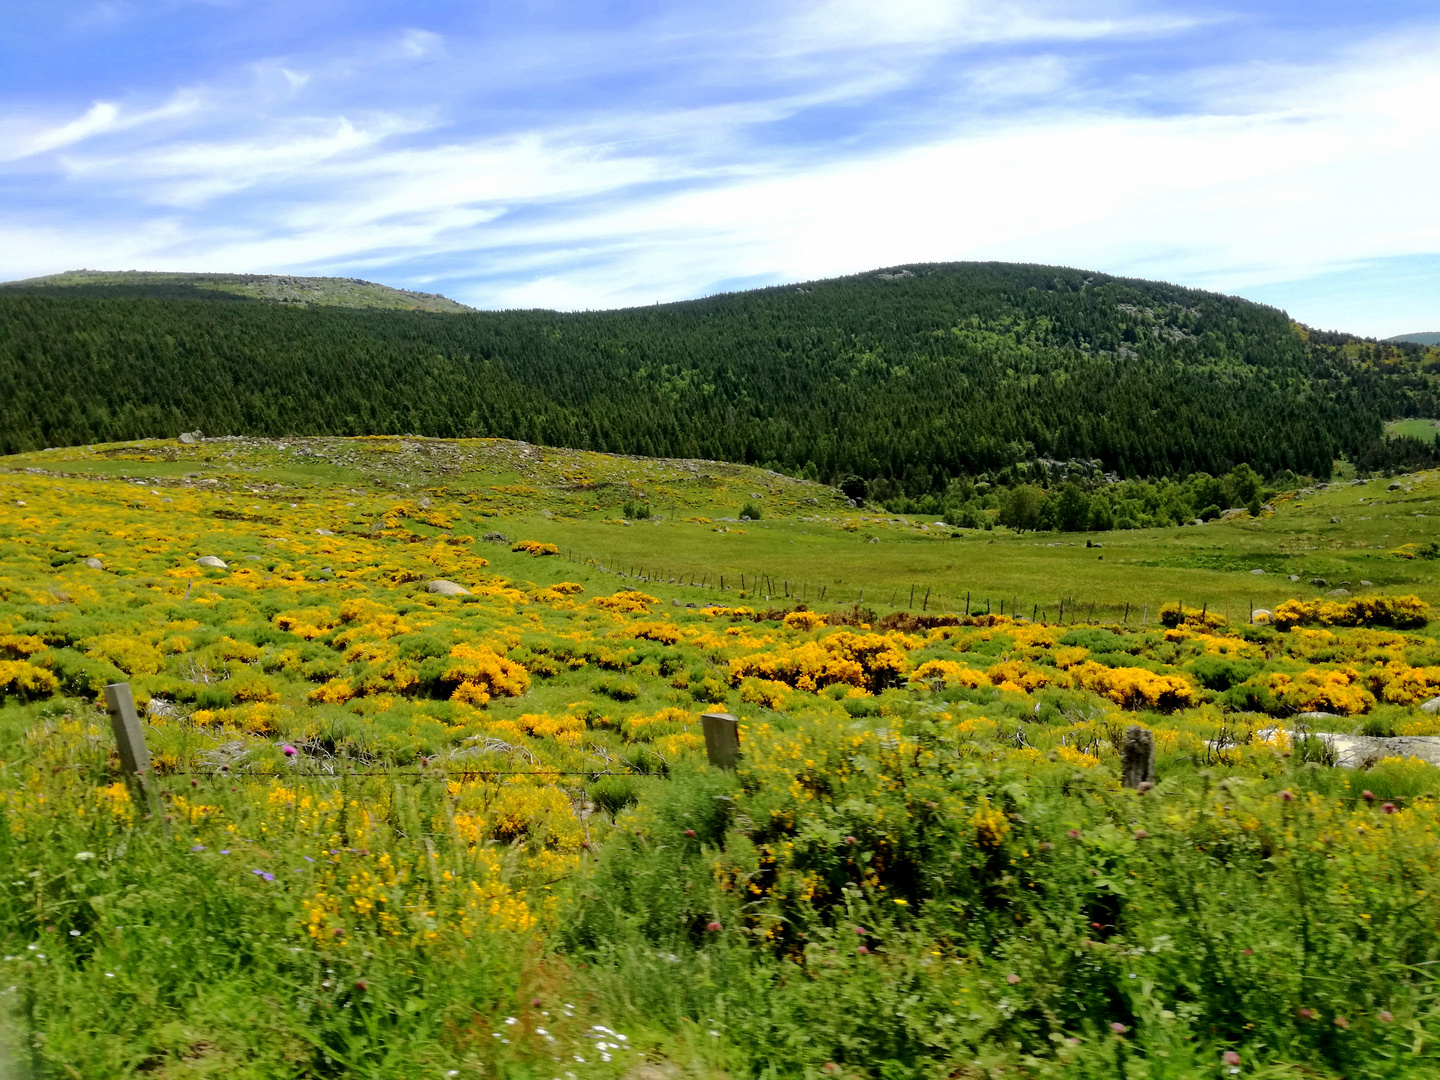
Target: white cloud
{"type": "Point", "coordinates": [1274, 172]}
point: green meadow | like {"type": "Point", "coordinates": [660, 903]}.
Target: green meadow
{"type": "Point", "coordinates": [397, 832]}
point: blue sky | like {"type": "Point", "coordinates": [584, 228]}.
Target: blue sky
{"type": "Point", "coordinates": [533, 153]}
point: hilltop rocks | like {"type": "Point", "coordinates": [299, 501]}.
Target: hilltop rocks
{"type": "Point", "coordinates": [191, 438]}
{"type": "Point", "coordinates": [446, 588]}
{"type": "Point", "coordinates": [211, 561]}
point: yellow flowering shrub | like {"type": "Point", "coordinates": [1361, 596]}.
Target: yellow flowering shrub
{"type": "Point", "coordinates": [1399, 611]}
{"type": "Point", "coordinates": [1335, 690]}
{"type": "Point", "coordinates": [949, 673]}
{"type": "Point", "coordinates": [26, 680]}
{"type": "Point", "coordinates": [663, 632]}
{"type": "Point", "coordinates": [625, 602]}
{"type": "Point", "coordinates": [804, 621]}
{"type": "Point", "coordinates": [535, 547]}
{"type": "Point", "coordinates": [1135, 688]}
{"type": "Point", "coordinates": [482, 673]}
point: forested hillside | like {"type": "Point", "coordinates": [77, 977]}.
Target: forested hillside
{"type": "Point", "coordinates": [916, 374]}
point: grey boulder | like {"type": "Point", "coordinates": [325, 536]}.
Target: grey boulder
{"type": "Point", "coordinates": [446, 588]}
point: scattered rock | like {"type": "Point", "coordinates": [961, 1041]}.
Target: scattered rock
{"type": "Point", "coordinates": [1294, 577]}
{"type": "Point", "coordinates": [94, 563]}
{"type": "Point", "coordinates": [191, 438]}
{"type": "Point", "coordinates": [1260, 615]}
{"type": "Point", "coordinates": [1366, 583]}
{"type": "Point", "coordinates": [1334, 521]}
{"type": "Point", "coordinates": [211, 560]}
{"type": "Point", "coordinates": [496, 538]}
{"type": "Point", "coordinates": [1431, 706]}
{"type": "Point", "coordinates": [1319, 582]}
{"type": "Point", "coordinates": [873, 540]}
{"type": "Point", "coordinates": [1257, 571]}
{"type": "Point", "coordinates": [1395, 486]}
{"type": "Point", "coordinates": [446, 588]}
{"type": "Point", "coordinates": [1318, 716]}
{"type": "Point", "coordinates": [323, 532]}
{"type": "Point", "coordinates": [1338, 592]}
{"type": "Point", "coordinates": [1362, 751]}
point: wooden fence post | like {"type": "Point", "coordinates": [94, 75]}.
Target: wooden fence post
{"type": "Point", "coordinates": [1137, 757]}
{"type": "Point", "coordinates": [129, 739]}
{"type": "Point", "coordinates": [722, 739]}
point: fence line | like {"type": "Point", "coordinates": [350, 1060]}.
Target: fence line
{"type": "Point", "coordinates": [1069, 610]}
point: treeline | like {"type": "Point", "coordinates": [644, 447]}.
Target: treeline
{"type": "Point", "coordinates": [1031, 497]}
{"type": "Point", "coordinates": [918, 376]}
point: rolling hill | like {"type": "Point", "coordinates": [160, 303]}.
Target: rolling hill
{"type": "Point", "coordinates": [276, 288]}
{"type": "Point", "coordinates": [917, 373]}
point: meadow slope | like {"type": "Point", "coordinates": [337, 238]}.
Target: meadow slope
{"type": "Point", "coordinates": [392, 831]}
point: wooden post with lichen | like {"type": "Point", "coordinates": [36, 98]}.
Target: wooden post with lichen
{"type": "Point", "coordinates": [129, 740]}
{"type": "Point", "coordinates": [1137, 757]}
{"type": "Point", "coordinates": [722, 739]}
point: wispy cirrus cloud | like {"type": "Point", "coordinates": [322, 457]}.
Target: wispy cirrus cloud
{"type": "Point", "coordinates": [514, 157]}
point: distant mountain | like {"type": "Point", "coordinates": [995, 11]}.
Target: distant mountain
{"type": "Point", "coordinates": [274, 288]}
{"type": "Point", "coordinates": [917, 374]}
{"type": "Point", "coordinates": [1432, 338]}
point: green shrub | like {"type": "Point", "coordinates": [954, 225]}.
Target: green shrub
{"type": "Point", "coordinates": [636, 511]}
{"type": "Point", "coordinates": [1221, 672]}
{"type": "Point", "coordinates": [751, 510]}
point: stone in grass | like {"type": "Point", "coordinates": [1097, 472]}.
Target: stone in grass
{"type": "Point", "coordinates": [1431, 706]}
{"type": "Point", "coordinates": [212, 561]}
{"type": "Point", "coordinates": [94, 563]}
{"type": "Point", "coordinates": [496, 538]}
{"type": "Point", "coordinates": [1257, 571]}
{"type": "Point", "coordinates": [1261, 615]}
{"type": "Point", "coordinates": [446, 588]}
{"type": "Point", "coordinates": [191, 438]}
{"type": "Point", "coordinates": [1338, 592]}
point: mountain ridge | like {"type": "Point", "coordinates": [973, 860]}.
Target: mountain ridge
{"type": "Point", "coordinates": [272, 288]}
{"type": "Point", "coordinates": [915, 374]}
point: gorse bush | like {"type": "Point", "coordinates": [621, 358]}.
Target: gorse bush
{"type": "Point", "coordinates": [393, 832]}
{"type": "Point", "coordinates": [959, 898]}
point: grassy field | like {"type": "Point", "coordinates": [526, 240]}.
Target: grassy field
{"type": "Point", "coordinates": [808, 538]}
{"type": "Point", "coordinates": [392, 832]}
{"type": "Point", "coordinates": [1414, 429]}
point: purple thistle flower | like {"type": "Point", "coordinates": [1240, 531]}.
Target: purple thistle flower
{"type": "Point", "coordinates": [288, 750]}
